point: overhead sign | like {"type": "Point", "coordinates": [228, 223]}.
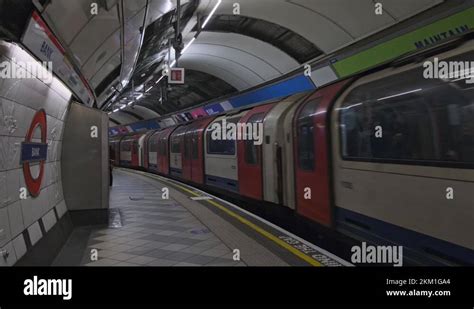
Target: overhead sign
{"type": "Point", "coordinates": [35, 152]}
{"type": "Point", "coordinates": [176, 76]}
{"type": "Point", "coordinates": [39, 39]}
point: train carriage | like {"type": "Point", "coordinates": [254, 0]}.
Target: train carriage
{"type": "Point", "coordinates": [402, 144]}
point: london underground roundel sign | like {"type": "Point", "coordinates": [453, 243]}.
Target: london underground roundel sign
{"type": "Point", "coordinates": [34, 152]}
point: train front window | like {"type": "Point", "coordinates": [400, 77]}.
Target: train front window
{"type": "Point", "coordinates": [409, 119]}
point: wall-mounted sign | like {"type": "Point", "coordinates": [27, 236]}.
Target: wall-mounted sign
{"type": "Point", "coordinates": [32, 152]}
{"type": "Point", "coordinates": [176, 76]}
{"type": "Point", "coordinates": [39, 39]}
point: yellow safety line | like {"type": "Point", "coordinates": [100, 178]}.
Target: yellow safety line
{"type": "Point", "coordinates": [270, 236]}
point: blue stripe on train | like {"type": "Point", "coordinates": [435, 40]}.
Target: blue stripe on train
{"type": "Point", "coordinates": [224, 183]}
{"type": "Point", "coordinates": [370, 228]}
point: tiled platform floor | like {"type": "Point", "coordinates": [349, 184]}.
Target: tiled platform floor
{"type": "Point", "coordinates": [146, 230]}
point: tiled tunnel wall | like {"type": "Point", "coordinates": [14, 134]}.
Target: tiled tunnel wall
{"type": "Point", "coordinates": [23, 222]}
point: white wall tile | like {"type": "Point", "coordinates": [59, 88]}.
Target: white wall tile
{"type": "Point", "coordinates": [5, 234]}
{"type": "Point", "coordinates": [13, 185]}
{"type": "Point", "coordinates": [8, 123]}
{"type": "Point", "coordinates": [19, 245]}
{"type": "Point", "coordinates": [16, 218]}
{"type": "Point", "coordinates": [4, 151]}
{"type": "Point", "coordinates": [23, 116]}
{"type": "Point", "coordinates": [11, 259]}
{"type": "Point", "coordinates": [3, 189]}
{"type": "Point", "coordinates": [14, 149]}
{"type": "Point", "coordinates": [49, 220]}
{"type": "Point", "coordinates": [61, 209]}
{"type": "Point", "coordinates": [35, 233]}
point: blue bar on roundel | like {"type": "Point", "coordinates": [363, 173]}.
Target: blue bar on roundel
{"type": "Point", "coordinates": [33, 152]}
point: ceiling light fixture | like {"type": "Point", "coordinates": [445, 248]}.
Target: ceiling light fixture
{"type": "Point", "coordinates": [187, 45]}
{"type": "Point", "coordinates": [159, 80]}
{"type": "Point", "coordinates": [212, 13]}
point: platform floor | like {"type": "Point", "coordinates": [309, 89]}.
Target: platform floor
{"type": "Point", "coordinates": [190, 228]}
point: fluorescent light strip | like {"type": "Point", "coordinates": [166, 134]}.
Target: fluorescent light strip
{"type": "Point", "coordinates": [115, 110]}
{"type": "Point", "coordinates": [400, 94]}
{"type": "Point", "coordinates": [139, 97]}
{"type": "Point", "coordinates": [212, 13]}
{"type": "Point", "coordinates": [159, 80]}
{"type": "Point", "coordinates": [187, 45]}
{"type": "Point", "coordinates": [149, 89]}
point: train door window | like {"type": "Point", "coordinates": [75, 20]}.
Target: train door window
{"type": "Point", "coordinates": [252, 150]}
{"type": "Point", "coordinates": [175, 145]}
{"type": "Point", "coordinates": [126, 145]}
{"type": "Point", "coordinates": [187, 145]}
{"type": "Point", "coordinates": [411, 120]}
{"type": "Point", "coordinates": [195, 145]}
{"type": "Point", "coordinates": [162, 147]}
{"type": "Point", "coordinates": [153, 144]}
{"type": "Point", "coordinates": [305, 133]}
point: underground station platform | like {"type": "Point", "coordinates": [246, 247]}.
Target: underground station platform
{"type": "Point", "coordinates": [190, 228]}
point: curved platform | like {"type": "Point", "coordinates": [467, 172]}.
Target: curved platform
{"type": "Point", "coordinates": [189, 228]}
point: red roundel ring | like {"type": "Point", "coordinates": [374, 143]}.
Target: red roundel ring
{"type": "Point", "coordinates": [34, 184]}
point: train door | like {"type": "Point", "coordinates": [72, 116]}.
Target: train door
{"type": "Point", "coordinates": [197, 150]}
{"type": "Point", "coordinates": [141, 150]}
{"type": "Point", "coordinates": [275, 151]}
{"type": "Point", "coordinates": [163, 151]}
{"type": "Point", "coordinates": [187, 151]}
{"type": "Point", "coordinates": [176, 151]}
{"type": "Point", "coordinates": [311, 154]}
{"type": "Point", "coordinates": [135, 151]}
{"type": "Point", "coordinates": [151, 159]}
{"type": "Point", "coordinates": [249, 152]}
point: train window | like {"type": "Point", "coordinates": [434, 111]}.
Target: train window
{"type": "Point", "coordinates": [221, 145]}
{"type": "Point", "coordinates": [305, 132]}
{"type": "Point", "coordinates": [411, 120]}
{"type": "Point", "coordinates": [252, 150]}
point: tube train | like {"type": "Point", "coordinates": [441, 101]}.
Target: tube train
{"type": "Point", "coordinates": [387, 156]}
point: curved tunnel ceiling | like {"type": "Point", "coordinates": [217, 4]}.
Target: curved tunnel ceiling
{"type": "Point", "coordinates": [268, 39]}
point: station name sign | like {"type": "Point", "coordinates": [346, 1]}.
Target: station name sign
{"type": "Point", "coordinates": [39, 39]}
